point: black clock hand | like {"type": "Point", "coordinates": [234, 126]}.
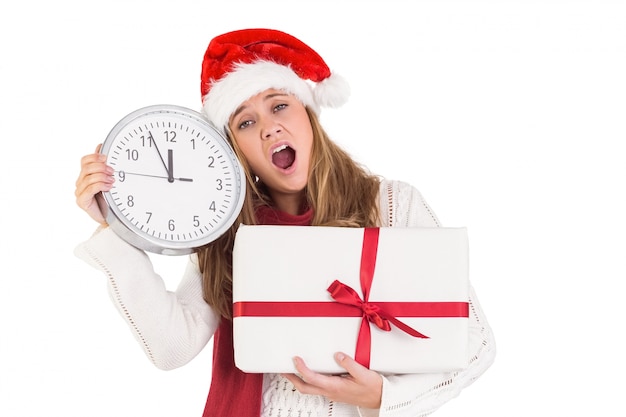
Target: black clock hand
{"type": "Point", "coordinates": [160, 156]}
{"type": "Point", "coordinates": [170, 165]}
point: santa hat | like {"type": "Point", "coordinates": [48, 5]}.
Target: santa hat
{"type": "Point", "coordinates": [240, 64]}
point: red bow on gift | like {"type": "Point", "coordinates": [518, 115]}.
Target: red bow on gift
{"type": "Point", "coordinates": [372, 312]}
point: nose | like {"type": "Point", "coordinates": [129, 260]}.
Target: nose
{"type": "Point", "coordinates": [270, 129]}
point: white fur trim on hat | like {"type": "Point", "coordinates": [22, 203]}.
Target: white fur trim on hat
{"type": "Point", "coordinates": [247, 80]}
{"type": "Point", "coordinates": [332, 92]}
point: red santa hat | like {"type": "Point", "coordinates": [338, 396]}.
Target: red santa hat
{"type": "Point", "coordinates": [240, 64]}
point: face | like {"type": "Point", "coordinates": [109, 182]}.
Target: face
{"type": "Point", "coordinates": [274, 132]}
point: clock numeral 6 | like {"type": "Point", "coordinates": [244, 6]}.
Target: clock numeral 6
{"type": "Point", "coordinates": [170, 225]}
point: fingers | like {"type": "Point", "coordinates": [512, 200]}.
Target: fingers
{"type": "Point", "coordinates": [93, 168]}
{"type": "Point", "coordinates": [94, 177]}
{"type": "Point", "coordinates": [360, 387]}
{"type": "Point", "coordinates": [307, 381]}
{"type": "Point", "coordinates": [354, 368]}
{"type": "Point", "coordinates": [370, 382]}
{"type": "Point", "coordinates": [309, 377]}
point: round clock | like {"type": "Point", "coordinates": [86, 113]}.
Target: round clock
{"type": "Point", "coordinates": [178, 184]}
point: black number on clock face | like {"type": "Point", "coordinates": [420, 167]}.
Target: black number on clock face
{"type": "Point", "coordinates": [132, 154]}
{"type": "Point", "coordinates": [170, 135]}
{"type": "Point", "coordinates": [146, 140]}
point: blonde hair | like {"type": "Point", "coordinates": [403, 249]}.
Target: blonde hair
{"type": "Point", "coordinates": [332, 173]}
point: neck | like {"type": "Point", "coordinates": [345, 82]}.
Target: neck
{"type": "Point", "coordinates": [289, 203]}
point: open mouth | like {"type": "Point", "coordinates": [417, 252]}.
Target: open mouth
{"type": "Point", "coordinates": [283, 157]}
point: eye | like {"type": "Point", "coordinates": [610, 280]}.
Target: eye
{"type": "Point", "coordinates": [280, 107]}
{"type": "Point", "coordinates": [244, 124]}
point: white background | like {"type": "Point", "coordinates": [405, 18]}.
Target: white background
{"type": "Point", "coordinates": [507, 115]}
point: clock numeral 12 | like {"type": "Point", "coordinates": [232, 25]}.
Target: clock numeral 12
{"type": "Point", "coordinates": [170, 136]}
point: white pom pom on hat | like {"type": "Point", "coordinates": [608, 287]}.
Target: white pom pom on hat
{"type": "Point", "coordinates": [238, 65]}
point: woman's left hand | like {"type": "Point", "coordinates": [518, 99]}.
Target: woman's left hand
{"type": "Point", "coordinates": [360, 387]}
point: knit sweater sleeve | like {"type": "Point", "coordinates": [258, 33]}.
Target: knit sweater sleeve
{"type": "Point", "coordinates": [421, 394]}
{"type": "Point", "coordinates": [172, 327]}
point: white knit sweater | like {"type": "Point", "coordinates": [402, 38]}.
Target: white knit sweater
{"type": "Point", "coordinates": [173, 327]}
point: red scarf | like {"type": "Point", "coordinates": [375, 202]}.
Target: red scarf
{"type": "Point", "coordinates": [233, 392]}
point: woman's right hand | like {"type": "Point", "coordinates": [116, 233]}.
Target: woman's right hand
{"type": "Point", "coordinates": [95, 176]}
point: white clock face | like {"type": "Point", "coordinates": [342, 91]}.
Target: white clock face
{"type": "Point", "coordinates": [178, 184]}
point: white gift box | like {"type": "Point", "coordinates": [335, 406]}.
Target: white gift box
{"type": "Point", "coordinates": [417, 278]}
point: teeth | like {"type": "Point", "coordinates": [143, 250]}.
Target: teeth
{"type": "Point", "coordinates": [280, 148]}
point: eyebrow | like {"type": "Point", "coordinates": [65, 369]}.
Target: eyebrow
{"type": "Point", "coordinates": [267, 97]}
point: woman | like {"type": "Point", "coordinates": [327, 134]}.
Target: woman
{"type": "Point", "coordinates": [264, 88]}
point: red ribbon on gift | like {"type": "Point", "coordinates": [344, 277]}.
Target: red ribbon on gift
{"type": "Point", "coordinates": [350, 304]}
{"type": "Point", "coordinates": [372, 312]}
